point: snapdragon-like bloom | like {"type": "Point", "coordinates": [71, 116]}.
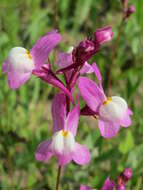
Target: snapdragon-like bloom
{"type": "Point", "coordinates": [110, 111]}
{"type": "Point", "coordinates": [20, 62]}
{"type": "Point", "coordinates": [63, 144]}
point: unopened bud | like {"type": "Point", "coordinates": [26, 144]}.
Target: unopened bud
{"type": "Point", "coordinates": [127, 173]}
{"type": "Point", "coordinates": [103, 35]}
{"type": "Point", "coordinates": [130, 10]}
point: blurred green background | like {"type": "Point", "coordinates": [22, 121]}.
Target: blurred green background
{"type": "Point", "coordinates": [25, 118]}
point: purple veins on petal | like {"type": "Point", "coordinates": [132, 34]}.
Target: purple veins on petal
{"type": "Point", "coordinates": [43, 47]}
{"type": "Point", "coordinates": [59, 112]}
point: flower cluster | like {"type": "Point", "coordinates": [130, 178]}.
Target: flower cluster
{"type": "Point", "coordinates": [111, 112]}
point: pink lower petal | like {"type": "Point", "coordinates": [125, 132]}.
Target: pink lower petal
{"type": "Point", "coordinates": [64, 159]}
{"type": "Point", "coordinates": [108, 129]}
{"type": "Point", "coordinates": [126, 121]}
{"type": "Point", "coordinates": [81, 155]}
{"type": "Point", "coordinates": [15, 79]}
{"type": "Point", "coordinates": [43, 152]}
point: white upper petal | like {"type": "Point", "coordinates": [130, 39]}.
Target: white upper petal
{"type": "Point", "coordinates": [113, 110]}
{"type": "Point", "coordinates": [63, 144]}
{"type": "Point", "coordinates": [19, 60]}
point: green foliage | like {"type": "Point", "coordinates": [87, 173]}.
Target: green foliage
{"type": "Point", "coordinates": [25, 118]}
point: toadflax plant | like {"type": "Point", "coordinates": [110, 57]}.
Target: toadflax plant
{"type": "Point", "coordinates": [110, 111]}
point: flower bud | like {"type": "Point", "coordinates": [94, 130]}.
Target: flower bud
{"type": "Point", "coordinates": [127, 173]}
{"type": "Point", "coordinates": [85, 50]}
{"type": "Point", "coordinates": [103, 35]}
{"type": "Point", "coordinates": [130, 10]}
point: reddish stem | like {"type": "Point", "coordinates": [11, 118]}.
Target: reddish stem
{"type": "Point", "coordinates": [58, 177]}
{"type": "Point", "coordinates": [114, 55]}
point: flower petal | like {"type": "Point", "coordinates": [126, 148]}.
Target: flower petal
{"type": "Point", "coordinates": [64, 159]}
{"type": "Point", "coordinates": [87, 68]}
{"type": "Point", "coordinates": [98, 74]}
{"type": "Point", "coordinates": [91, 93]}
{"type": "Point", "coordinates": [87, 111]}
{"type": "Point", "coordinates": [15, 79]}
{"type": "Point", "coordinates": [126, 121]}
{"type": "Point", "coordinates": [64, 60]}
{"type": "Point", "coordinates": [108, 129]}
{"type": "Point", "coordinates": [81, 155]}
{"type": "Point", "coordinates": [59, 112]}
{"type": "Point", "coordinates": [72, 120]}
{"type": "Point", "coordinates": [44, 152]}
{"type": "Point", "coordinates": [108, 184]}
{"type": "Point", "coordinates": [43, 47]}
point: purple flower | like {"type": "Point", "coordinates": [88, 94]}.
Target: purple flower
{"type": "Point", "coordinates": [84, 187]}
{"type": "Point", "coordinates": [103, 35]}
{"type": "Point", "coordinates": [63, 144]}
{"type": "Point", "coordinates": [108, 185]}
{"type": "Point", "coordinates": [110, 111]}
{"type": "Point", "coordinates": [20, 62]}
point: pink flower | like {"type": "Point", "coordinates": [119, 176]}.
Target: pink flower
{"type": "Point", "coordinates": [63, 144]}
{"type": "Point", "coordinates": [108, 185]}
{"type": "Point", "coordinates": [84, 187]}
{"type": "Point", "coordinates": [103, 35]}
{"type": "Point", "coordinates": [20, 62]}
{"type": "Point", "coordinates": [110, 111]}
